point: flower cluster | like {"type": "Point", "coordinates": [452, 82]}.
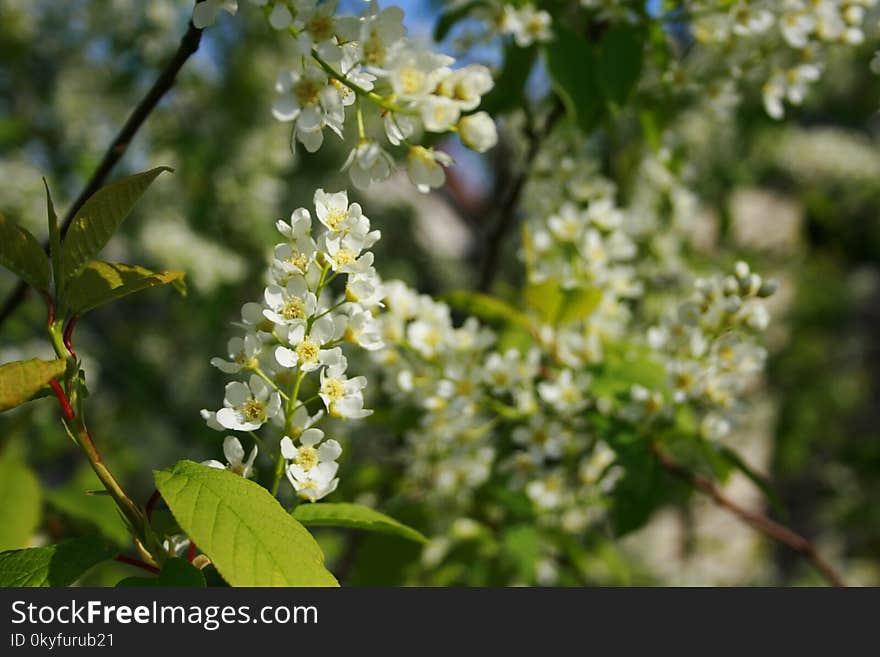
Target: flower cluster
{"type": "Point", "coordinates": [322, 294]}
{"type": "Point", "coordinates": [396, 89]}
{"type": "Point", "coordinates": [785, 40]}
{"type": "Point", "coordinates": [708, 347]}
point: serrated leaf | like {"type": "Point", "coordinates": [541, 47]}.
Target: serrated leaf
{"type": "Point", "coordinates": [20, 502]}
{"type": "Point", "coordinates": [571, 62]}
{"type": "Point", "coordinates": [619, 64]}
{"type": "Point", "coordinates": [448, 19]}
{"type": "Point", "coordinates": [21, 380]}
{"type": "Point", "coordinates": [248, 536]}
{"type": "Point", "coordinates": [175, 572]}
{"type": "Point", "coordinates": [21, 253]}
{"type": "Point", "coordinates": [103, 282]}
{"type": "Point", "coordinates": [54, 565]}
{"type": "Point", "coordinates": [356, 516]}
{"type": "Point", "coordinates": [510, 84]}
{"type": "Point", "coordinates": [486, 307]}
{"type": "Point", "coordinates": [99, 218]}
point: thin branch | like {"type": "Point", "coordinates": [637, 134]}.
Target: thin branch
{"type": "Point", "coordinates": [507, 210]}
{"type": "Point", "coordinates": [755, 519]}
{"type": "Point", "coordinates": [188, 45]}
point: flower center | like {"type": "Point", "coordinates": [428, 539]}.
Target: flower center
{"type": "Point", "coordinates": [333, 388]}
{"type": "Point", "coordinates": [306, 458]}
{"type": "Point", "coordinates": [320, 27]}
{"type": "Point", "coordinates": [294, 308]}
{"type": "Point", "coordinates": [307, 92]}
{"type": "Point", "coordinates": [374, 50]}
{"type": "Point", "coordinates": [344, 257]}
{"type": "Point", "coordinates": [411, 80]}
{"type": "Point", "coordinates": [253, 410]}
{"type": "Point", "coordinates": [335, 216]}
{"type": "Point", "coordinates": [298, 260]}
{"type": "Point", "coordinates": [307, 351]}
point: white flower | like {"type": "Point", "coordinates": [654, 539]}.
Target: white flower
{"type": "Point", "coordinates": [567, 393]}
{"type": "Point", "coordinates": [414, 72]}
{"type": "Point", "coordinates": [248, 406]}
{"type": "Point", "coordinates": [234, 453]}
{"type": "Point", "coordinates": [439, 113]}
{"type": "Point", "coordinates": [242, 354]}
{"type": "Point", "coordinates": [291, 304]}
{"type": "Point", "coordinates": [368, 163]}
{"type": "Point", "coordinates": [343, 397]}
{"type": "Point", "coordinates": [467, 85]}
{"type": "Point", "coordinates": [365, 288]}
{"type": "Point", "coordinates": [527, 24]}
{"type": "Point", "coordinates": [308, 99]}
{"type": "Point", "coordinates": [312, 467]}
{"type": "Point", "coordinates": [334, 211]}
{"type": "Point", "coordinates": [425, 167]}
{"type": "Point", "coordinates": [307, 352]}
{"type": "Point", "coordinates": [364, 330]}
{"type": "Point", "coordinates": [205, 12]}
{"type": "Point", "coordinates": [478, 132]}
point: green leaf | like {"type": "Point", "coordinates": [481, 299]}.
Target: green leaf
{"type": "Point", "coordinates": [21, 253]}
{"type": "Point", "coordinates": [571, 62]}
{"type": "Point", "coordinates": [521, 547]}
{"type": "Point", "coordinates": [54, 234]}
{"type": "Point", "coordinates": [578, 304]}
{"type": "Point", "coordinates": [248, 536]}
{"type": "Point", "coordinates": [448, 19]}
{"type": "Point", "coordinates": [20, 502]}
{"type": "Point", "coordinates": [555, 305]}
{"type": "Point", "coordinates": [175, 572]}
{"type": "Point", "coordinates": [619, 62]}
{"type": "Point", "coordinates": [21, 380]}
{"type": "Point", "coordinates": [99, 218]}
{"type": "Point", "coordinates": [324, 514]}
{"type": "Point", "coordinates": [510, 84]}
{"type": "Point", "coordinates": [103, 282]}
{"type": "Point", "coordinates": [754, 476]}
{"type": "Point", "coordinates": [95, 511]}
{"type": "Point", "coordinates": [486, 307]}
{"type": "Point", "coordinates": [54, 565]}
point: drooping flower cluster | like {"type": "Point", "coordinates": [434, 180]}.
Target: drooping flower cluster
{"type": "Point", "coordinates": [396, 89]}
{"type": "Point", "coordinates": [322, 294]}
{"type": "Point", "coordinates": [785, 41]}
{"type": "Point", "coordinates": [708, 347]}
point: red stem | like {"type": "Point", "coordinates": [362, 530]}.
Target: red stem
{"type": "Point", "coordinates": [68, 334]}
{"type": "Point", "coordinates": [192, 551]}
{"type": "Point", "coordinates": [62, 399]}
{"type": "Point", "coordinates": [137, 563]}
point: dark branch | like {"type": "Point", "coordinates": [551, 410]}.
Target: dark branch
{"type": "Point", "coordinates": [188, 45]}
{"type": "Point", "coordinates": [507, 211]}
{"type": "Point", "coordinates": [755, 519]}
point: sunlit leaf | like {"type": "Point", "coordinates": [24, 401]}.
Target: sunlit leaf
{"type": "Point", "coordinates": [245, 532]}
{"type": "Point", "coordinates": [99, 218]}
{"type": "Point", "coordinates": [21, 380]}
{"type": "Point", "coordinates": [103, 282]}
{"type": "Point", "coordinates": [356, 516]}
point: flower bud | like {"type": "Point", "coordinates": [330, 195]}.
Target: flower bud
{"type": "Point", "coordinates": [478, 132]}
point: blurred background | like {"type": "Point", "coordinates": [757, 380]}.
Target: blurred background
{"type": "Point", "coordinates": [797, 199]}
